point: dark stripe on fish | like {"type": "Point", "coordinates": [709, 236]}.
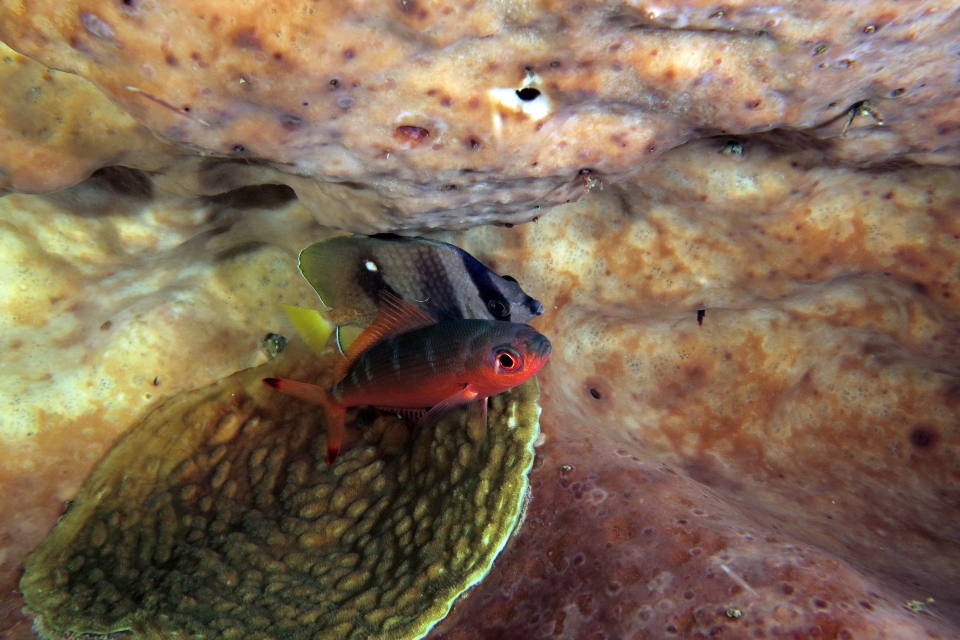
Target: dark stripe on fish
{"type": "Point", "coordinates": [431, 356]}
{"type": "Point", "coordinates": [372, 281]}
{"type": "Point", "coordinates": [434, 277]}
{"type": "Point", "coordinates": [489, 293]}
{"type": "Point", "coordinates": [395, 357]}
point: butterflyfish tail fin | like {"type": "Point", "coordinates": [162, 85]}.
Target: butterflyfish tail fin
{"type": "Point", "coordinates": [309, 325]}
{"type": "Point", "coordinates": [314, 394]}
{"type": "Point", "coordinates": [395, 317]}
{"type": "Point", "coordinates": [322, 265]}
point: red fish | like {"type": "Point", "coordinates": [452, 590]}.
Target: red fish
{"type": "Point", "coordinates": [406, 360]}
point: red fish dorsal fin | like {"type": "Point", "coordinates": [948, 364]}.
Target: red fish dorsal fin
{"type": "Point", "coordinates": [396, 317]}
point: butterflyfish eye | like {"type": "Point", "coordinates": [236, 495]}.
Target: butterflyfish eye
{"type": "Point", "coordinates": [499, 308]}
{"type": "Point", "coordinates": [510, 278]}
{"type": "Point", "coordinates": [509, 360]}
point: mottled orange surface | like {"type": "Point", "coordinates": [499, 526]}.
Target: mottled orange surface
{"type": "Point", "coordinates": [327, 91]}
{"type": "Point", "coordinates": [56, 129]}
{"type": "Point", "coordinates": [618, 546]}
{"type": "Point", "coordinates": [819, 394]}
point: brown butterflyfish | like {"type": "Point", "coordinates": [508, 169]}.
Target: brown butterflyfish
{"type": "Point", "coordinates": [407, 361]}
{"type": "Point", "coordinates": [349, 272]}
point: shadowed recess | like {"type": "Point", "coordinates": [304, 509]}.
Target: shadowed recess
{"type": "Point", "coordinates": [259, 196]}
{"type": "Point", "coordinates": [109, 190]}
{"type": "Point", "coordinates": [217, 517]}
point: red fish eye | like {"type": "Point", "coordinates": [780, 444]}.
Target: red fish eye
{"type": "Point", "coordinates": [508, 360]}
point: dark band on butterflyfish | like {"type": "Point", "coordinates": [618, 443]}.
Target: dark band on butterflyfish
{"type": "Point", "coordinates": [430, 266]}
{"type": "Point", "coordinates": [480, 275]}
{"type": "Point", "coordinates": [371, 281]}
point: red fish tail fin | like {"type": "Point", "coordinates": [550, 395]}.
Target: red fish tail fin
{"type": "Point", "coordinates": [333, 413]}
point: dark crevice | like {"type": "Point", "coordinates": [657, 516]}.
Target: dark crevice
{"type": "Point", "coordinates": [259, 196]}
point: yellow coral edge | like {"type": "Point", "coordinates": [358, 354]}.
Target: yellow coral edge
{"type": "Point", "coordinates": [310, 325]}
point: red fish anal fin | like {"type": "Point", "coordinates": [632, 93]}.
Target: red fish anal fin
{"type": "Point", "coordinates": [410, 414]}
{"type": "Point", "coordinates": [396, 317]}
{"type": "Point", "coordinates": [333, 413]}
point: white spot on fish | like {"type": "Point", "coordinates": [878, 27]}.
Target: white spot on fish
{"type": "Point", "coordinates": [370, 265]}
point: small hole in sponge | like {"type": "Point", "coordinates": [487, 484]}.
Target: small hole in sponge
{"type": "Point", "coordinates": [528, 94]}
{"type": "Point", "coordinates": [596, 394]}
{"type": "Point", "coordinates": [923, 436]}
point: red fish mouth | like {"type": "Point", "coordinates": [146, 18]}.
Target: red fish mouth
{"type": "Point", "coordinates": [542, 348]}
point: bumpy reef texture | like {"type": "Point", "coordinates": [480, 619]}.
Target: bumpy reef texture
{"type": "Point", "coordinates": [789, 468]}
{"type": "Point", "coordinates": [111, 304]}
{"type": "Point", "coordinates": [483, 111]}
{"type": "Point", "coordinates": [218, 516]}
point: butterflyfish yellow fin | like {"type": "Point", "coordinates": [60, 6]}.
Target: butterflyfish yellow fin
{"type": "Point", "coordinates": [345, 335]}
{"type": "Point", "coordinates": [310, 325]}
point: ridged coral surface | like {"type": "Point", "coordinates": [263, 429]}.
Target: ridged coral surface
{"type": "Point", "coordinates": [218, 516]}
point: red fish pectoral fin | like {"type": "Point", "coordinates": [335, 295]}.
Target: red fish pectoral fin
{"type": "Point", "coordinates": [333, 414]}
{"type": "Point", "coordinates": [464, 396]}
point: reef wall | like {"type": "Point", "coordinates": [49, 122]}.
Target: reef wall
{"type": "Point", "coordinates": [422, 114]}
{"type": "Point", "coordinates": [750, 416]}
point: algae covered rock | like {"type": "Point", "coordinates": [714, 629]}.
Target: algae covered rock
{"type": "Point", "coordinates": [217, 517]}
